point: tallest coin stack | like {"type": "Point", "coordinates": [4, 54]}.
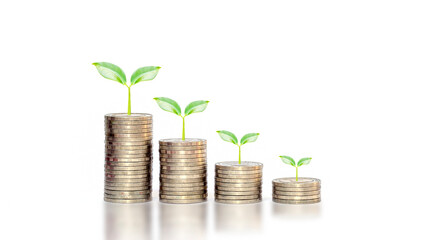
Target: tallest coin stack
{"type": "Point", "coordinates": [128, 157]}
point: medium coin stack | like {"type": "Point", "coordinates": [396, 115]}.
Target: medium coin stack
{"type": "Point", "coordinates": [128, 157]}
{"type": "Point", "coordinates": [183, 168]}
{"type": "Point", "coordinates": [290, 191]}
{"type": "Point", "coordinates": [238, 183]}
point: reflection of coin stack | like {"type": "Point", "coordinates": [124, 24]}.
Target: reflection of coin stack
{"type": "Point", "coordinates": [238, 183]}
{"type": "Point", "coordinates": [290, 191]}
{"type": "Point", "coordinates": [128, 157]}
{"type": "Point", "coordinates": [183, 170]}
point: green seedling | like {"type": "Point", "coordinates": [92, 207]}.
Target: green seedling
{"type": "Point", "coordinates": [115, 73]}
{"type": "Point", "coordinates": [230, 137]}
{"type": "Point", "coordinates": [291, 161]}
{"type": "Point", "coordinates": [170, 105]}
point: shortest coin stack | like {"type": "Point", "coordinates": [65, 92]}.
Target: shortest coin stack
{"type": "Point", "coordinates": [128, 157]}
{"type": "Point", "coordinates": [238, 183]}
{"type": "Point", "coordinates": [183, 170]}
{"type": "Point", "coordinates": [290, 191]}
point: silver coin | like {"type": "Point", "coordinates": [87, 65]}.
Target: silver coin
{"type": "Point", "coordinates": [182, 164]}
{"type": "Point", "coordinates": [126, 197]}
{"type": "Point", "coordinates": [127, 184]}
{"type": "Point", "coordinates": [183, 172]}
{"type": "Point", "coordinates": [128, 152]}
{"type": "Point", "coordinates": [239, 176]}
{"type": "Point", "coordinates": [187, 180]}
{"type": "Point", "coordinates": [182, 156]}
{"type": "Point", "coordinates": [296, 197]}
{"type": "Point", "coordinates": [182, 152]}
{"type": "Point", "coordinates": [180, 142]}
{"type": "Point", "coordinates": [238, 185]}
{"type": "Point", "coordinates": [128, 148]}
{"type": "Point", "coordinates": [235, 166]}
{"type": "Point", "coordinates": [126, 201]}
{"type": "Point", "coordinates": [182, 193]}
{"type": "Point", "coordinates": [186, 201]}
{"type": "Point", "coordinates": [247, 172]}
{"type": "Point", "coordinates": [115, 165]}
{"type": "Point", "coordinates": [238, 189]}
{"type": "Point", "coordinates": [187, 197]}
{"type": "Point", "coordinates": [237, 193]}
{"type": "Point", "coordinates": [127, 193]}
{"type": "Point", "coordinates": [183, 185]}
{"type": "Point", "coordinates": [114, 176]}
{"type": "Point", "coordinates": [296, 189]}
{"type": "Point", "coordinates": [181, 168]}
{"type": "Point", "coordinates": [128, 180]}
{"type": "Point", "coordinates": [183, 189]}
{"type": "Point", "coordinates": [140, 188]}
{"type": "Point", "coordinates": [125, 116]}
{"type": "Point", "coordinates": [183, 160]}
{"type": "Point", "coordinates": [133, 143]}
{"type": "Point", "coordinates": [231, 180]}
{"type": "Point", "coordinates": [128, 122]}
{"type": "Point", "coordinates": [182, 148]}
{"type": "Point", "coordinates": [129, 160]}
{"type": "Point", "coordinates": [229, 197]}
{"type": "Point", "coordinates": [126, 133]}
{"type": "Point", "coordinates": [308, 193]}
{"type": "Point", "coordinates": [238, 201]}
{"type": "Point", "coordinates": [291, 182]}
{"type": "Point", "coordinates": [130, 126]}
{"type": "Point", "coordinates": [140, 140]}
{"type": "Point", "coordinates": [311, 201]}
{"type": "Point", "coordinates": [182, 177]}
{"type": "Point", "coordinates": [128, 172]}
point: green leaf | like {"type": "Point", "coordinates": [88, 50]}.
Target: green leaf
{"type": "Point", "coordinates": [196, 107]}
{"type": "Point", "coordinates": [110, 71]}
{"type": "Point", "coordinates": [228, 136]}
{"type": "Point", "coordinates": [304, 161]}
{"type": "Point", "coordinates": [144, 74]}
{"type": "Point", "coordinates": [248, 138]}
{"type": "Point", "coordinates": [168, 105]}
{"type": "Point", "coordinates": [288, 160]}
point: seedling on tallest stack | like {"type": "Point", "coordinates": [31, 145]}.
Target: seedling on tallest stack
{"type": "Point", "coordinates": [115, 73]}
{"type": "Point", "coordinates": [172, 106]}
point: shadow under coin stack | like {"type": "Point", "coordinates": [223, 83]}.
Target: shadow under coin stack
{"type": "Point", "coordinates": [183, 168]}
{"type": "Point", "coordinates": [238, 183]}
{"type": "Point", "coordinates": [290, 191]}
{"type": "Point", "coordinates": [128, 157]}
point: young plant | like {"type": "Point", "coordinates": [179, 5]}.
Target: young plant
{"type": "Point", "coordinates": [230, 137]}
{"type": "Point", "coordinates": [115, 73]}
{"type": "Point", "coordinates": [291, 161]}
{"type": "Point", "coordinates": [170, 105]}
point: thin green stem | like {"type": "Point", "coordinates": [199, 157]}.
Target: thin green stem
{"type": "Point", "coordinates": [240, 154]}
{"type": "Point", "coordinates": [297, 173]}
{"type": "Point", "coordinates": [183, 128]}
{"type": "Point", "coordinates": [129, 103]}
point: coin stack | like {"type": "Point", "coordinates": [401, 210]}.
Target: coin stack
{"type": "Point", "coordinates": [183, 168]}
{"type": "Point", "coordinates": [290, 191]}
{"type": "Point", "coordinates": [128, 157]}
{"type": "Point", "coordinates": [238, 183]}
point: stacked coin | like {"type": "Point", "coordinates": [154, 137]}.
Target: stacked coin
{"type": "Point", "coordinates": [128, 157]}
{"type": "Point", "coordinates": [238, 183]}
{"type": "Point", "coordinates": [183, 170]}
{"type": "Point", "coordinates": [290, 191]}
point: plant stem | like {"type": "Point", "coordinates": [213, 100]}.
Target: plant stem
{"type": "Point", "coordinates": [129, 107]}
{"type": "Point", "coordinates": [240, 154]}
{"type": "Point", "coordinates": [297, 173]}
{"type": "Point", "coordinates": [183, 128]}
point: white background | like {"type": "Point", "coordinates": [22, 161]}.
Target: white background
{"type": "Point", "coordinates": [340, 81]}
